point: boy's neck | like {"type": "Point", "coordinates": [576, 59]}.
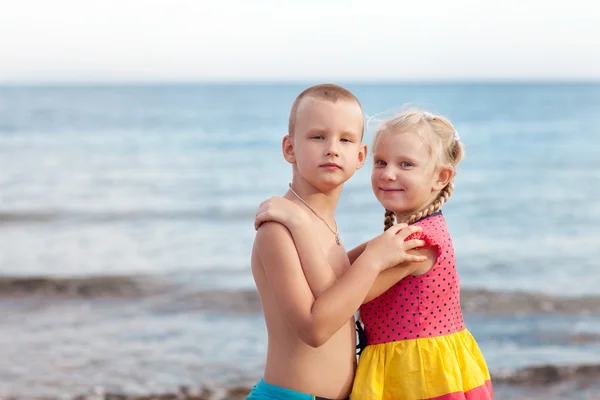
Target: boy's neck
{"type": "Point", "coordinates": [323, 203]}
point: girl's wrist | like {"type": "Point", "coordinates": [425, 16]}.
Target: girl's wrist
{"type": "Point", "coordinates": [372, 260]}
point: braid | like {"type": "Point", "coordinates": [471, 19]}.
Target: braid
{"type": "Point", "coordinates": [388, 220]}
{"type": "Point", "coordinates": [443, 197]}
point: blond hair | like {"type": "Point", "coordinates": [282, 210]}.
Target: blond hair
{"type": "Point", "coordinates": [328, 92]}
{"type": "Point", "coordinates": [445, 146]}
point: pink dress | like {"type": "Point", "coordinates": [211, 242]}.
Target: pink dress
{"type": "Point", "coordinates": [417, 343]}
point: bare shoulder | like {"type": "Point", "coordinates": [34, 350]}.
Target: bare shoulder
{"type": "Point", "coordinates": [275, 247]}
{"type": "Point", "coordinates": [272, 233]}
{"type": "Point", "coordinates": [271, 228]}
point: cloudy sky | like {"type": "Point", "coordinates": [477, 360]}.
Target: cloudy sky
{"type": "Point", "coordinates": [224, 40]}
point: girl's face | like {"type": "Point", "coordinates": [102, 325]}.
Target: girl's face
{"type": "Point", "coordinates": [405, 178]}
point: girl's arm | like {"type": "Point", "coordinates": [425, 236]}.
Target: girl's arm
{"type": "Point", "coordinates": [320, 278]}
{"type": "Point", "coordinates": [317, 318]}
{"type": "Point", "coordinates": [356, 252]}
{"type": "Point", "coordinates": [320, 275]}
{"type": "Point", "coordinates": [318, 272]}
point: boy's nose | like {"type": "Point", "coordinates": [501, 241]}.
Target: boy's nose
{"type": "Point", "coordinates": [332, 150]}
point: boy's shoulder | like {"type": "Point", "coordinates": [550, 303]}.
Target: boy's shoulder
{"type": "Point", "coordinates": [272, 229]}
{"type": "Point", "coordinates": [270, 234]}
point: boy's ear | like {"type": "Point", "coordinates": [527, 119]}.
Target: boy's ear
{"type": "Point", "coordinates": [444, 176]}
{"type": "Point", "coordinates": [287, 148]}
{"type": "Point", "coordinates": [362, 156]}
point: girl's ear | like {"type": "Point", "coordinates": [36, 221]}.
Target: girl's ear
{"type": "Point", "coordinates": [444, 176]}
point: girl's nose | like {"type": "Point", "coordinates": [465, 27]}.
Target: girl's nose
{"type": "Point", "coordinates": [388, 175]}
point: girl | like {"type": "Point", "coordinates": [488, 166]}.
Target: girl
{"type": "Point", "coordinates": [417, 343]}
{"type": "Point", "coordinates": [417, 346]}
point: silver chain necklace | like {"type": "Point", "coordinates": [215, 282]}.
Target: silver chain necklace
{"type": "Point", "coordinates": [336, 232]}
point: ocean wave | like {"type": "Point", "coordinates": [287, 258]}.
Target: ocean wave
{"type": "Point", "coordinates": [213, 213]}
{"type": "Point", "coordinates": [223, 301]}
{"type": "Point", "coordinates": [162, 293]}
{"type": "Point", "coordinates": [7, 217]}
{"type": "Point", "coordinates": [474, 301]}
{"type": "Point", "coordinates": [182, 393]}
{"type": "Point", "coordinates": [583, 375]}
{"type": "Point", "coordinates": [79, 287]}
{"type": "Point", "coordinates": [524, 303]}
{"type": "Point", "coordinates": [190, 292]}
{"type": "Point", "coordinates": [549, 382]}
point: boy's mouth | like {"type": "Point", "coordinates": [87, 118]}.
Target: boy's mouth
{"type": "Point", "coordinates": [330, 166]}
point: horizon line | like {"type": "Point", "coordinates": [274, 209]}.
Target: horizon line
{"type": "Point", "coordinates": [224, 82]}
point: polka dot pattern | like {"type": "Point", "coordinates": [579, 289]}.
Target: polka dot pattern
{"type": "Point", "coordinates": [422, 306]}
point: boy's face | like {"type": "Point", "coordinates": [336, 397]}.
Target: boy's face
{"type": "Point", "coordinates": [326, 148]}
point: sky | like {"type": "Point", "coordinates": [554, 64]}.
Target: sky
{"type": "Point", "coordinates": [286, 40]}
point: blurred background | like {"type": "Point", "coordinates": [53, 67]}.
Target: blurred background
{"type": "Point", "coordinates": [137, 139]}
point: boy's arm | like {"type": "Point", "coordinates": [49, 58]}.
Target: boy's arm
{"type": "Point", "coordinates": [315, 320]}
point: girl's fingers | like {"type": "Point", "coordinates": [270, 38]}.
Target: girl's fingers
{"type": "Point", "coordinates": [400, 229]}
{"type": "Point", "coordinates": [417, 259]}
{"type": "Point", "coordinates": [257, 222]}
{"type": "Point", "coordinates": [406, 232]}
{"type": "Point", "coordinates": [260, 218]}
{"type": "Point", "coordinates": [411, 244]}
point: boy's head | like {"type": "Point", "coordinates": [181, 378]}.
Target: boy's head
{"type": "Point", "coordinates": [326, 92]}
{"type": "Point", "coordinates": [324, 141]}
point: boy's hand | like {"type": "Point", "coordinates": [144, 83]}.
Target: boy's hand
{"type": "Point", "coordinates": [390, 249]}
{"type": "Point", "coordinates": [279, 209]}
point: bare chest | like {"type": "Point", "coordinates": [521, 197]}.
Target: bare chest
{"type": "Point", "coordinates": [335, 253]}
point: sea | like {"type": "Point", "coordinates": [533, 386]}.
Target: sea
{"type": "Point", "coordinates": [126, 226]}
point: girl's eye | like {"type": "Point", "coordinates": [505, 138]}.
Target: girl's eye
{"type": "Point", "coordinates": [346, 140]}
{"type": "Point", "coordinates": [405, 164]}
{"type": "Point", "coordinates": [380, 163]}
{"type": "Point", "coordinates": [316, 137]}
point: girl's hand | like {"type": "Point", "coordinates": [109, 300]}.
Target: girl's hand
{"type": "Point", "coordinates": [390, 249]}
{"type": "Point", "coordinates": [284, 211]}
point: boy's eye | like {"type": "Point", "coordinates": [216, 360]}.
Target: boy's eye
{"type": "Point", "coordinates": [380, 163]}
{"type": "Point", "coordinates": [346, 140]}
{"type": "Point", "coordinates": [317, 137]}
{"type": "Point", "coordinates": [406, 164]}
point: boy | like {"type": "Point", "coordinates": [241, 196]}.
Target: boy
{"type": "Point", "coordinates": [311, 341]}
